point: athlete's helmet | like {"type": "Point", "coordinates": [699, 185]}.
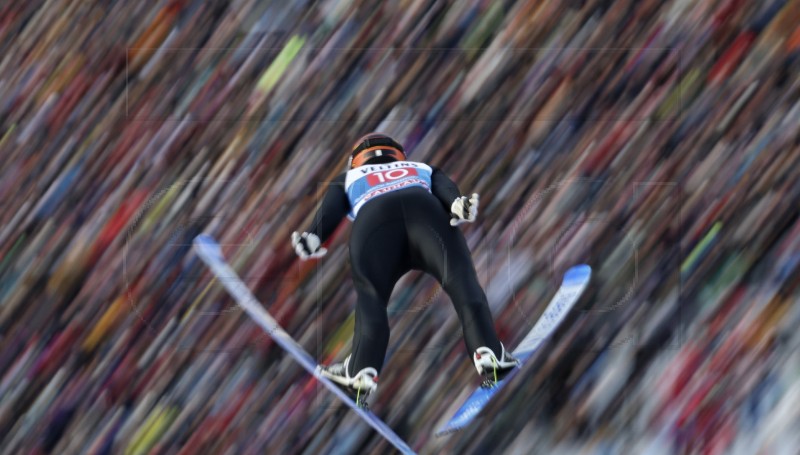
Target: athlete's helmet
{"type": "Point", "coordinates": [375, 148]}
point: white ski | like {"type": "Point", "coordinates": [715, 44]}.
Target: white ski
{"type": "Point", "coordinates": [209, 251]}
{"type": "Point", "coordinates": [575, 282]}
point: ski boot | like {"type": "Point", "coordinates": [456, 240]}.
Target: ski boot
{"type": "Point", "coordinates": [359, 386]}
{"type": "Point", "coordinates": [490, 367]}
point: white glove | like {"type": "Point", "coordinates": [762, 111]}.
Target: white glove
{"type": "Point", "coordinates": [464, 210]}
{"type": "Point", "coordinates": [306, 245]}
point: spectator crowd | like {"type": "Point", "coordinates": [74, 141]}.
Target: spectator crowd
{"type": "Point", "coordinates": [657, 141]}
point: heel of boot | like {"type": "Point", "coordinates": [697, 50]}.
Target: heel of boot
{"type": "Point", "coordinates": [366, 380]}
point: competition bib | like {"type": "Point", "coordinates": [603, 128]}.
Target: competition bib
{"type": "Point", "coordinates": [365, 183]}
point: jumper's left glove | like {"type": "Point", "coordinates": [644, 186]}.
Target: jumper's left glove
{"type": "Point", "coordinates": [464, 210]}
{"type": "Point", "coordinates": [307, 245]}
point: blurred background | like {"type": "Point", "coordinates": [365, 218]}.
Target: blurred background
{"type": "Point", "coordinates": [656, 140]}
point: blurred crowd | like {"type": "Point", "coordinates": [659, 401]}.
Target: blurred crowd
{"type": "Point", "coordinates": [658, 141]}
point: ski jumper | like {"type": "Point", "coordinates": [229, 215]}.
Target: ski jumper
{"type": "Point", "coordinates": [401, 222]}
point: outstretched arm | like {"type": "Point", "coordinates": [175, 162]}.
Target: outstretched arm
{"type": "Point", "coordinates": [443, 188]}
{"type": "Point", "coordinates": [333, 209]}
{"type": "Point", "coordinates": [330, 213]}
{"type": "Point", "coordinates": [462, 209]}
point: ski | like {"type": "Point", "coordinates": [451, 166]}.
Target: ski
{"type": "Point", "coordinates": [575, 282]}
{"type": "Point", "coordinates": [210, 252]}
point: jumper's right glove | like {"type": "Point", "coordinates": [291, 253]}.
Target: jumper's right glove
{"type": "Point", "coordinates": [464, 210]}
{"type": "Point", "coordinates": [307, 245]}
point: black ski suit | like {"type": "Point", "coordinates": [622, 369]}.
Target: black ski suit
{"type": "Point", "coordinates": [401, 222]}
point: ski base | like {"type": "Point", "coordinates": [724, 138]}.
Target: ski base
{"type": "Point", "coordinates": [575, 282]}
{"type": "Point", "coordinates": [210, 252]}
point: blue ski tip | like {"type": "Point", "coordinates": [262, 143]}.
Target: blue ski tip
{"type": "Point", "coordinates": [577, 274]}
{"type": "Point", "coordinates": [205, 244]}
